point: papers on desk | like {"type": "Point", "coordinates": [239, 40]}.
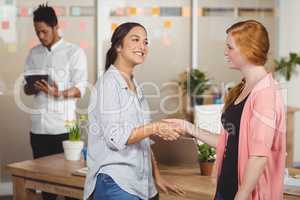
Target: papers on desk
{"type": "Point", "coordinates": [81, 172]}
{"type": "Point", "coordinates": [292, 185]}
{"type": "Point", "coordinates": [295, 191]}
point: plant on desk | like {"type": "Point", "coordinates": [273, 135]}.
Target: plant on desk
{"type": "Point", "coordinates": [74, 145]}
{"type": "Point", "coordinates": [206, 157]}
{"type": "Point", "coordinates": [194, 83]}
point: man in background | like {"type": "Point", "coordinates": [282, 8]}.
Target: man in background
{"type": "Point", "coordinates": [54, 101]}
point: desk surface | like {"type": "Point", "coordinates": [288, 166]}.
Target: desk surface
{"type": "Point", "coordinates": [51, 168]}
{"type": "Point", "coordinates": [55, 169]}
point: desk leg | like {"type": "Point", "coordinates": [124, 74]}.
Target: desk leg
{"type": "Point", "coordinates": [19, 190]}
{"type": "Point", "coordinates": [290, 140]}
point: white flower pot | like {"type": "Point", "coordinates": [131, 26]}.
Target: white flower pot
{"type": "Point", "coordinates": [72, 149]}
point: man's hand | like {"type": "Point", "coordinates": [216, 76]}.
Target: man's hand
{"type": "Point", "coordinates": [167, 187]}
{"type": "Point", "coordinates": [51, 90]}
{"type": "Point", "coordinates": [30, 91]}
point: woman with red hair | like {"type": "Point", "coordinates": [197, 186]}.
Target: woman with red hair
{"type": "Point", "coordinates": [251, 147]}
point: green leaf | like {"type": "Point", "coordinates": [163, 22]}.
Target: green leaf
{"type": "Point", "coordinates": [206, 153]}
{"type": "Point", "coordinates": [196, 82]}
{"type": "Point", "coordinates": [287, 66]}
{"type": "Point", "coordinates": [75, 132]}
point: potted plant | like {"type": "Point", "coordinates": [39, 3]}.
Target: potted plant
{"type": "Point", "coordinates": [74, 145]}
{"type": "Point", "coordinates": [194, 83]}
{"type": "Point", "coordinates": [206, 157]}
{"type": "Point", "coordinates": [287, 66]}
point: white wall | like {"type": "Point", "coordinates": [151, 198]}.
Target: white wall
{"type": "Point", "coordinates": [289, 41]}
{"type": "Point", "coordinates": [15, 123]}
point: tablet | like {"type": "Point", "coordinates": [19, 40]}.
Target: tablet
{"type": "Point", "coordinates": [31, 79]}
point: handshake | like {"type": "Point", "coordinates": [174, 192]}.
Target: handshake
{"type": "Point", "coordinates": [172, 129]}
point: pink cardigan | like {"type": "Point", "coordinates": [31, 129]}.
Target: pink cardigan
{"type": "Point", "coordinates": [262, 133]}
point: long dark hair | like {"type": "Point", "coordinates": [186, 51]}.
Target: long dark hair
{"type": "Point", "coordinates": [117, 40]}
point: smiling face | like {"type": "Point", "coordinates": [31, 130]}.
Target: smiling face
{"type": "Point", "coordinates": [134, 48]}
{"type": "Point", "coordinates": [233, 54]}
{"type": "Point", "coordinates": [46, 34]}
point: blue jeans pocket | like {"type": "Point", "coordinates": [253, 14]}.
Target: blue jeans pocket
{"type": "Point", "coordinates": [108, 189]}
{"type": "Point", "coordinates": [107, 179]}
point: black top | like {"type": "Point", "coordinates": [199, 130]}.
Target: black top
{"type": "Point", "coordinates": [228, 180]}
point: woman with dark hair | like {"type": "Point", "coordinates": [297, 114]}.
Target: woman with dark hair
{"type": "Point", "coordinates": [120, 161]}
{"type": "Point", "coordinates": [251, 147]}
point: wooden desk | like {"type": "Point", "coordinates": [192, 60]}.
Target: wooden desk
{"type": "Point", "coordinates": [54, 174]}
{"type": "Point", "coordinates": [50, 174]}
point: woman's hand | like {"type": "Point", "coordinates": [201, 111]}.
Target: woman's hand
{"type": "Point", "coordinates": [185, 127]}
{"type": "Point", "coordinates": [167, 131]}
{"type": "Point", "coordinates": [167, 187]}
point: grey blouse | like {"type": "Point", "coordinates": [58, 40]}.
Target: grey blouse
{"type": "Point", "coordinates": [114, 111]}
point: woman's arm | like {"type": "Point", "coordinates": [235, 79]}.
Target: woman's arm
{"type": "Point", "coordinates": [201, 134]}
{"type": "Point", "coordinates": [119, 131]}
{"type": "Point", "coordinates": [254, 169]}
{"type": "Point", "coordinates": [161, 182]}
{"type": "Point", "coordinates": [205, 136]}
{"type": "Point", "coordinates": [163, 130]}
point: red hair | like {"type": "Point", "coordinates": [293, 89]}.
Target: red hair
{"type": "Point", "coordinates": [252, 39]}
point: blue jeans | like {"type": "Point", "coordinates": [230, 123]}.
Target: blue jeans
{"type": "Point", "coordinates": [108, 189]}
